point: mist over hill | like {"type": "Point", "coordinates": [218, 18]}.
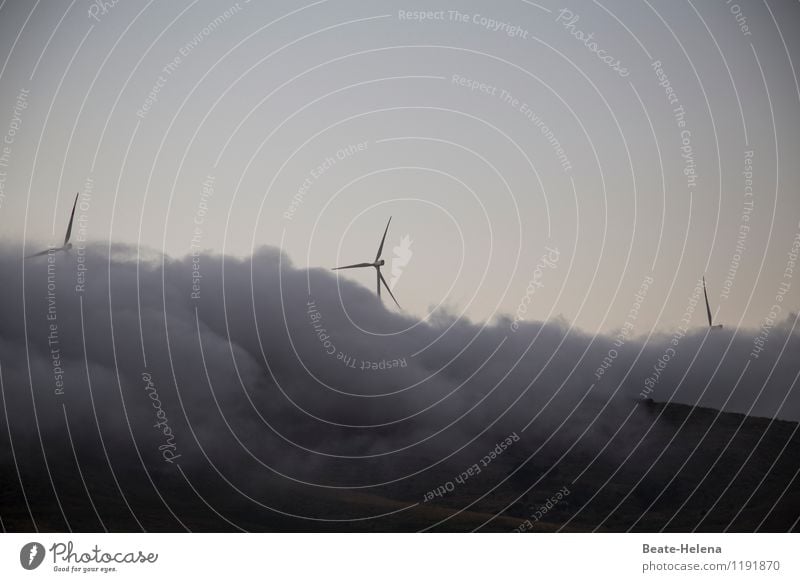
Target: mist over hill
{"type": "Point", "coordinates": [146, 392]}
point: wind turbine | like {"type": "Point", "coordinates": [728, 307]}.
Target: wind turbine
{"type": "Point", "coordinates": [377, 263]}
{"type": "Point", "coordinates": [708, 309]}
{"type": "Point", "coordinates": [67, 245]}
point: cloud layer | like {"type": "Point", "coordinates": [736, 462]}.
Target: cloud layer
{"type": "Point", "coordinates": [258, 374]}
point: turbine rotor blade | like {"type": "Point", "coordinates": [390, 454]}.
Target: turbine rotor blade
{"type": "Point", "coordinates": [378, 279]}
{"type": "Point", "coordinates": [708, 308]}
{"type": "Point", "coordinates": [71, 218]}
{"type": "Point", "coordinates": [39, 254]}
{"type": "Point", "coordinates": [380, 248]}
{"type": "Point", "coordinates": [385, 284]}
{"type": "Point", "coordinates": [353, 266]}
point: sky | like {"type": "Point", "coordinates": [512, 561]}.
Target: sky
{"type": "Point", "coordinates": [556, 182]}
{"type": "Point", "coordinates": [538, 161]}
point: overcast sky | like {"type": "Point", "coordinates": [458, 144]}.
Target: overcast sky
{"type": "Point", "coordinates": [493, 136]}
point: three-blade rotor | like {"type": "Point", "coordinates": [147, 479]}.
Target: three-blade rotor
{"type": "Point", "coordinates": [708, 308]}
{"type": "Point", "coordinates": [66, 246]}
{"type": "Point", "coordinates": [377, 264]}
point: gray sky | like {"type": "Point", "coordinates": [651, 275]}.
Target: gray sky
{"type": "Point", "coordinates": [474, 179]}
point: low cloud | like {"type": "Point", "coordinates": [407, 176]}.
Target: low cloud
{"type": "Point", "coordinates": [266, 373]}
